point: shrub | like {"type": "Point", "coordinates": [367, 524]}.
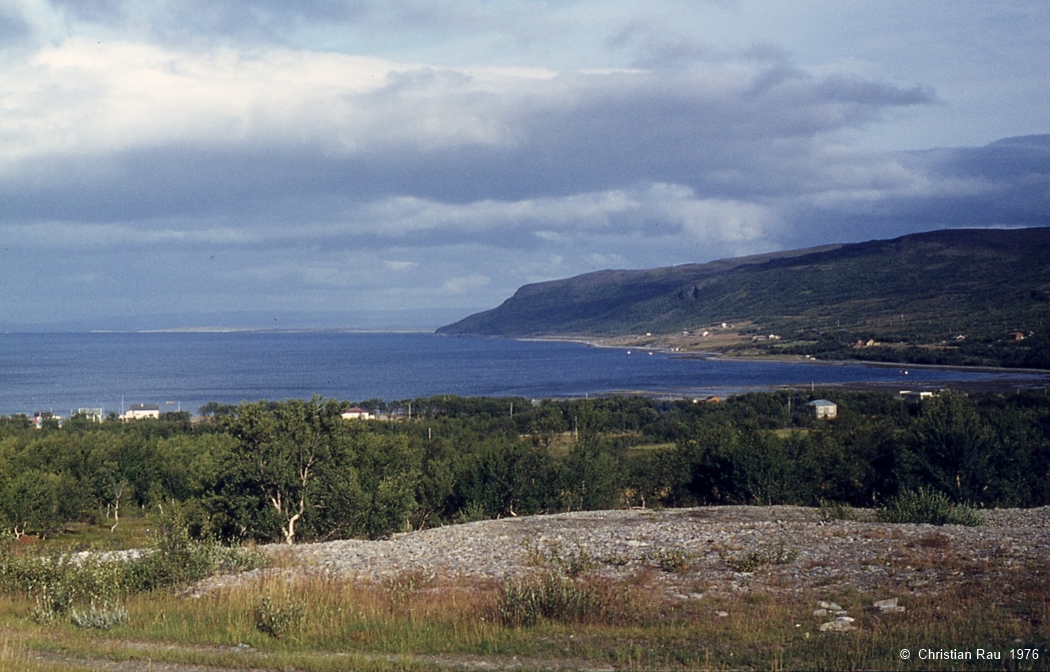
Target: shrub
{"type": "Point", "coordinates": [927, 507]}
{"type": "Point", "coordinates": [830, 511]}
{"type": "Point", "coordinates": [554, 597]}
{"type": "Point", "coordinates": [49, 607]}
{"type": "Point", "coordinates": [277, 619]}
{"type": "Point", "coordinates": [576, 562]}
{"type": "Point", "coordinates": [100, 618]}
{"type": "Point", "coordinates": [176, 559]}
{"type": "Point", "coordinates": [59, 581]}
{"type": "Point", "coordinates": [752, 560]}
{"type": "Point", "coordinates": [674, 561]}
{"type": "Point", "coordinates": [471, 513]}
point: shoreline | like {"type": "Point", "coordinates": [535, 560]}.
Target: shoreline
{"type": "Point", "coordinates": [1020, 379]}
{"type": "Point", "coordinates": [600, 342]}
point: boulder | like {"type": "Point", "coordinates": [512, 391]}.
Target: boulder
{"type": "Point", "coordinates": [840, 624]}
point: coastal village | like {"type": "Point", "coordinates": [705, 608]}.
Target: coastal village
{"type": "Point", "coordinates": [823, 409]}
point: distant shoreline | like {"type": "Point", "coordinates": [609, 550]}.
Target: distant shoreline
{"type": "Point", "coordinates": [601, 342]}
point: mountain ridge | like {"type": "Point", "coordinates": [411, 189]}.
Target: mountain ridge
{"type": "Point", "coordinates": [914, 295]}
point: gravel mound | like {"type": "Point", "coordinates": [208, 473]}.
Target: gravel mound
{"type": "Point", "coordinates": [698, 550]}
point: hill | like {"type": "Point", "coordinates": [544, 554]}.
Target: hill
{"type": "Point", "coordinates": [960, 296]}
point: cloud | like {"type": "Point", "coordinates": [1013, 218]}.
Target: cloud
{"type": "Point", "coordinates": [301, 23]}
{"type": "Point", "coordinates": [127, 129]}
{"type": "Point", "coordinates": [13, 27]}
{"type": "Point", "coordinates": [234, 176]}
{"type": "Point", "coordinates": [1003, 184]}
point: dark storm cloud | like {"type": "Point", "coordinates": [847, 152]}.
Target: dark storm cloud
{"type": "Point", "coordinates": [1003, 184]}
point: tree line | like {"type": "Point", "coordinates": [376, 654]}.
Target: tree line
{"type": "Point", "coordinates": [296, 471]}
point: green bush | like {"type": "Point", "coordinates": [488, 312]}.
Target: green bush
{"type": "Point", "coordinates": [554, 597]}
{"type": "Point", "coordinates": [60, 581]}
{"type": "Point", "coordinates": [831, 511]}
{"type": "Point", "coordinates": [277, 619]}
{"type": "Point", "coordinates": [674, 561]}
{"type": "Point", "coordinates": [927, 507]}
{"type": "Point", "coordinates": [753, 560]}
{"type": "Point", "coordinates": [176, 560]}
{"type": "Point", "coordinates": [57, 581]}
{"type": "Point", "coordinates": [103, 617]}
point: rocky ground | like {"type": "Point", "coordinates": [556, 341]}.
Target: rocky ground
{"type": "Point", "coordinates": [691, 552]}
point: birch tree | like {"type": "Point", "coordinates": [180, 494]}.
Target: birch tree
{"type": "Point", "coordinates": [281, 450]}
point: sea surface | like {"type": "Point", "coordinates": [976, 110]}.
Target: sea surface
{"type": "Point", "coordinates": [64, 372]}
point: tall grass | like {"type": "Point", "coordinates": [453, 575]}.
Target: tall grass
{"type": "Point", "coordinates": [324, 613]}
{"type": "Point", "coordinates": [551, 596]}
{"type": "Point", "coordinates": [547, 619]}
{"type": "Point", "coordinates": [435, 621]}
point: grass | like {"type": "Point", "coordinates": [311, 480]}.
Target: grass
{"type": "Point", "coordinates": [443, 623]}
{"type": "Point", "coordinates": [561, 613]}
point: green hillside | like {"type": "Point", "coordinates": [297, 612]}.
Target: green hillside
{"type": "Point", "coordinates": [914, 296]}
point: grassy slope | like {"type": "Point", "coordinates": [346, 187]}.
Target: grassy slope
{"type": "Point", "coordinates": [916, 292]}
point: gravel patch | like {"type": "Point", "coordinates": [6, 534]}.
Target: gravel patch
{"type": "Point", "coordinates": [728, 549]}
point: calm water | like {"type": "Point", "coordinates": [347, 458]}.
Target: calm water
{"type": "Point", "coordinates": [63, 372]}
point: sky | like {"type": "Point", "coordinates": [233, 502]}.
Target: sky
{"type": "Point", "coordinates": [407, 162]}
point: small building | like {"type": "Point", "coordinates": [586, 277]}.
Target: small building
{"type": "Point", "coordinates": [93, 414]}
{"type": "Point", "coordinates": [40, 418]}
{"type": "Point", "coordinates": [825, 410]}
{"type": "Point", "coordinates": [141, 412]}
{"type": "Point", "coordinates": [357, 414]}
{"type": "Point", "coordinates": [916, 395]}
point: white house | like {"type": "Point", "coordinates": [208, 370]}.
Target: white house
{"type": "Point", "coordinates": [916, 395]}
{"type": "Point", "coordinates": [357, 414]}
{"type": "Point", "coordinates": [141, 412]}
{"type": "Point", "coordinates": [93, 414]}
{"type": "Point", "coordinates": [825, 409]}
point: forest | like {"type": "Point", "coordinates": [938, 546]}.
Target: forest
{"type": "Point", "coordinates": [295, 471]}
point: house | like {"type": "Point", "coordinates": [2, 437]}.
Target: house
{"type": "Point", "coordinates": [40, 418]}
{"type": "Point", "coordinates": [141, 412]}
{"type": "Point", "coordinates": [916, 395]}
{"type": "Point", "coordinates": [357, 414]}
{"type": "Point", "coordinates": [93, 414]}
{"type": "Point", "coordinates": [825, 410]}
